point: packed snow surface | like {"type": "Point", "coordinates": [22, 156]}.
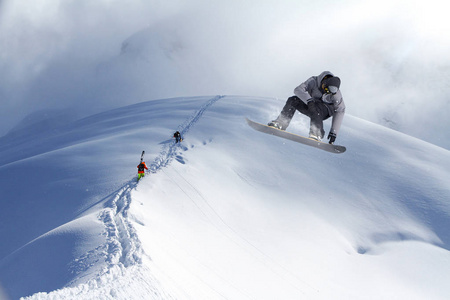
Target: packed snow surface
{"type": "Point", "coordinates": [229, 213]}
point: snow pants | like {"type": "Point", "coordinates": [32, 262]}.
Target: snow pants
{"type": "Point", "coordinates": [318, 115]}
{"type": "Point", "coordinates": [140, 175]}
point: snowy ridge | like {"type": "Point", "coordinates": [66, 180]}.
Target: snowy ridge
{"type": "Point", "coordinates": [137, 279]}
{"type": "Point", "coordinates": [123, 248]}
{"type": "Point", "coordinates": [228, 213]}
{"type": "Point", "coordinates": [169, 149]}
{"type": "Point", "coordinates": [123, 244]}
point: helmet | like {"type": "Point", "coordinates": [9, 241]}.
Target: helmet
{"type": "Point", "coordinates": [331, 84]}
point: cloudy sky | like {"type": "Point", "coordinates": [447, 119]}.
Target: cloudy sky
{"type": "Point", "coordinates": [87, 56]}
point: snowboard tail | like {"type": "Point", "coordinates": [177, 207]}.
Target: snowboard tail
{"type": "Point", "coordinates": [296, 138]}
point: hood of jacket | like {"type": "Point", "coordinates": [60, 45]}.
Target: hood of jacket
{"type": "Point", "coordinates": [321, 76]}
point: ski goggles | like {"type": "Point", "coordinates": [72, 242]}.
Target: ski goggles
{"type": "Point", "coordinates": [331, 89]}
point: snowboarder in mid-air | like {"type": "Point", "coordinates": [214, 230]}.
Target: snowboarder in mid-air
{"type": "Point", "coordinates": [319, 98]}
{"type": "Point", "coordinates": [177, 136]}
{"type": "Point", "coordinates": [141, 169]}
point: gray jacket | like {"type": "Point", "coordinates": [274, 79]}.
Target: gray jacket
{"type": "Point", "coordinates": [311, 90]}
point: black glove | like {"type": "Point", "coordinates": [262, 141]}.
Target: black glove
{"type": "Point", "coordinates": [331, 137]}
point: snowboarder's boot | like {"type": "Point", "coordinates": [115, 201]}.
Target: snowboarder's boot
{"type": "Point", "coordinates": [315, 137]}
{"type": "Point", "coordinates": [316, 132]}
{"type": "Point", "coordinates": [275, 124]}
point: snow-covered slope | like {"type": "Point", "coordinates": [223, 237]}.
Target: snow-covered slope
{"type": "Point", "coordinates": [229, 213]}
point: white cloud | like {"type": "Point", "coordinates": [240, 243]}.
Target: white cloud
{"type": "Point", "coordinates": [388, 54]}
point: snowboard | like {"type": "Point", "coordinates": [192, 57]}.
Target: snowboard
{"type": "Point", "coordinates": [296, 138]}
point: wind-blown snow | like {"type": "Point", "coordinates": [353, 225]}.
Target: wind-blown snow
{"type": "Point", "coordinates": [228, 213]}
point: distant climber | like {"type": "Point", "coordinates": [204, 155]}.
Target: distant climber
{"type": "Point", "coordinates": [141, 170]}
{"type": "Point", "coordinates": [177, 136]}
{"type": "Point", "coordinates": [319, 98]}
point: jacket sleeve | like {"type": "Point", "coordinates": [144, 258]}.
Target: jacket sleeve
{"type": "Point", "coordinates": [302, 91]}
{"type": "Point", "coordinates": [338, 116]}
